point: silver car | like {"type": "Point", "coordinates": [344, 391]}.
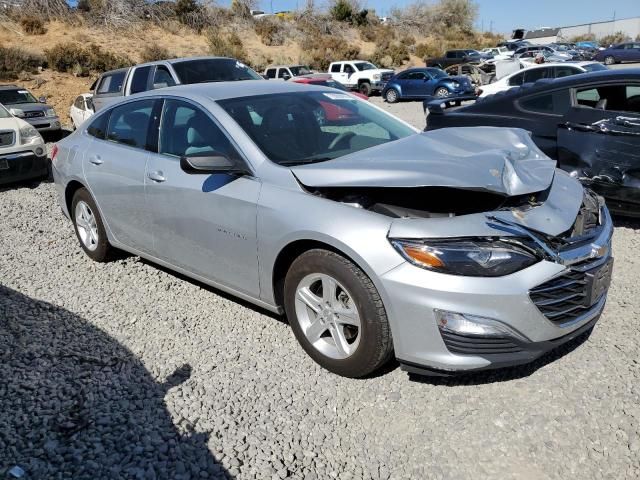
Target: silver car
{"type": "Point", "coordinates": [454, 251]}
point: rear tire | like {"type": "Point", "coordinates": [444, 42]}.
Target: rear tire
{"type": "Point", "coordinates": [89, 226]}
{"type": "Point", "coordinates": [391, 96]}
{"type": "Point", "coordinates": [337, 314]}
{"type": "Point", "coordinates": [365, 88]}
{"type": "Point", "coordinates": [609, 60]}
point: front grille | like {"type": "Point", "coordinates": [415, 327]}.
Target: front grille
{"type": "Point", "coordinates": [34, 114]}
{"type": "Point", "coordinates": [387, 76]}
{"type": "Point", "coordinates": [567, 297]}
{"type": "Point", "coordinates": [474, 345]}
{"type": "Point", "coordinates": [7, 138]}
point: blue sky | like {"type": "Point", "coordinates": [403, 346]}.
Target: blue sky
{"type": "Point", "coordinates": [507, 15]}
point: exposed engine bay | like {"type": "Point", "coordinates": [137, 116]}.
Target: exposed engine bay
{"type": "Point", "coordinates": [427, 202]}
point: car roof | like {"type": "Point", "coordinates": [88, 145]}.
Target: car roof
{"type": "Point", "coordinates": [226, 90]}
{"type": "Point", "coordinates": [11, 87]}
{"type": "Point", "coordinates": [630, 74]}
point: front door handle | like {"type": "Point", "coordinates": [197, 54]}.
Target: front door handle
{"type": "Point", "coordinates": [96, 160]}
{"type": "Point", "coordinates": [156, 176]}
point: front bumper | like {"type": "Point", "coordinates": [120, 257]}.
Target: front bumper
{"type": "Point", "coordinates": [416, 295]}
{"type": "Point", "coordinates": [45, 124]}
{"type": "Point", "coordinates": [22, 165]}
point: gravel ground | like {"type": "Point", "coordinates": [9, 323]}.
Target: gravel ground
{"type": "Point", "coordinates": [125, 370]}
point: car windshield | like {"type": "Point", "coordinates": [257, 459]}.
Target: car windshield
{"type": "Point", "coordinates": [306, 127]}
{"type": "Point", "coordinates": [14, 97]}
{"type": "Point", "coordinates": [594, 67]}
{"type": "Point", "coordinates": [213, 70]}
{"type": "Point", "coordinates": [365, 66]}
{"type": "Point", "coordinates": [4, 113]}
{"type": "Point", "coordinates": [300, 70]}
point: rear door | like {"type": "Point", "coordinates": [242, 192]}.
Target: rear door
{"type": "Point", "coordinates": [599, 140]}
{"type": "Point", "coordinates": [203, 223]}
{"type": "Point", "coordinates": [114, 168]}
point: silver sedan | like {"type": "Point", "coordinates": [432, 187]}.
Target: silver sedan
{"type": "Point", "coordinates": [456, 250]}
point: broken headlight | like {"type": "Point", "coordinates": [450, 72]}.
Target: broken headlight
{"type": "Point", "coordinates": [472, 258]}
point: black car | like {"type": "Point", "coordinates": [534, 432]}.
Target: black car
{"type": "Point", "coordinates": [589, 122]}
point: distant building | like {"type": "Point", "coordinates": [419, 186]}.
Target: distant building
{"type": "Point", "coordinates": [543, 36]}
{"type": "Point", "coordinates": [546, 35]}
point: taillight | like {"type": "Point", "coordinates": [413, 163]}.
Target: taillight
{"type": "Point", "coordinates": [54, 152]}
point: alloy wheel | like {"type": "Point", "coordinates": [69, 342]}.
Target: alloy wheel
{"type": "Point", "coordinates": [86, 225]}
{"type": "Point", "coordinates": [328, 316]}
{"type": "Point", "coordinates": [442, 92]}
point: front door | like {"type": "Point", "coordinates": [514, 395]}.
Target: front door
{"type": "Point", "coordinates": [202, 223]}
{"type": "Point", "coordinates": [415, 85]}
{"type": "Point", "coordinates": [599, 140]}
{"type": "Point", "coordinates": [114, 168]}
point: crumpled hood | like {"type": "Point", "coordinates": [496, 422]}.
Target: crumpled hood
{"type": "Point", "coordinates": [499, 160]}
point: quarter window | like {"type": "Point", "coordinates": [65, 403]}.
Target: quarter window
{"type": "Point", "coordinates": [98, 127]}
{"type": "Point", "coordinates": [186, 131]}
{"type": "Point", "coordinates": [130, 124]}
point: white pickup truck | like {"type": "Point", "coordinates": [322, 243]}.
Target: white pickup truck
{"type": "Point", "coordinates": [360, 75]}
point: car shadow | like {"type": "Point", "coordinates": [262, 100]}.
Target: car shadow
{"type": "Point", "coordinates": [627, 222]}
{"type": "Point", "coordinates": [75, 403]}
{"type": "Point", "coordinates": [504, 374]}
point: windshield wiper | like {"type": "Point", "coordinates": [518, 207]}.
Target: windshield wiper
{"type": "Point", "coordinates": [304, 161]}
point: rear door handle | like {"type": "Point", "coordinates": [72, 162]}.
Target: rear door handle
{"type": "Point", "coordinates": [96, 160]}
{"type": "Point", "coordinates": [156, 176]}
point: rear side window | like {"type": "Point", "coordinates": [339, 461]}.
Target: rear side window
{"type": "Point", "coordinates": [536, 74]}
{"type": "Point", "coordinates": [130, 123]}
{"type": "Point", "coordinates": [516, 79]}
{"type": "Point", "coordinates": [140, 79]}
{"type": "Point", "coordinates": [335, 68]}
{"type": "Point", "coordinates": [565, 71]}
{"type": "Point", "coordinates": [112, 83]}
{"type": "Point", "coordinates": [554, 103]}
{"type": "Point", "coordinates": [271, 73]}
{"type": "Point", "coordinates": [98, 127]}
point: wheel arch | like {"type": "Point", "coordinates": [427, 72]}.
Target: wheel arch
{"type": "Point", "coordinates": [70, 190]}
{"type": "Point", "coordinates": [293, 250]}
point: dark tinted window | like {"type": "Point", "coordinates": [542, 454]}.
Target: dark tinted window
{"type": "Point", "coordinates": [271, 73]}
{"type": "Point", "coordinates": [565, 71]}
{"type": "Point", "coordinates": [112, 83]}
{"type": "Point", "coordinates": [335, 68]}
{"type": "Point", "coordinates": [535, 74]}
{"type": "Point", "coordinates": [516, 79]}
{"type": "Point", "coordinates": [416, 76]}
{"type": "Point", "coordinates": [555, 103]}
{"type": "Point", "coordinates": [98, 127]}
{"type": "Point", "coordinates": [620, 98]}
{"type": "Point", "coordinates": [213, 70]}
{"type": "Point", "coordinates": [140, 79]}
{"type": "Point", "coordinates": [186, 131]}
{"type": "Point", "coordinates": [13, 97]}
{"type": "Point", "coordinates": [130, 123]}
{"type": "Point", "coordinates": [283, 73]}
{"type": "Point", "coordinates": [162, 78]}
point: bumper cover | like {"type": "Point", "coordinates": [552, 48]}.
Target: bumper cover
{"type": "Point", "coordinates": [19, 166]}
{"type": "Point", "coordinates": [45, 124]}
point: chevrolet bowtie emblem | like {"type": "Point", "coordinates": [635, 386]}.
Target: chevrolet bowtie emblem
{"type": "Point", "coordinates": [598, 251]}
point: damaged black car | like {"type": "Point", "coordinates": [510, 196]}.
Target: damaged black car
{"type": "Point", "coordinates": [589, 123]}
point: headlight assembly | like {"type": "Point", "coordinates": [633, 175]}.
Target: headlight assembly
{"type": "Point", "coordinates": [472, 258]}
{"type": "Point", "coordinates": [377, 76]}
{"type": "Point", "coordinates": [50, 112]}
{"type": "Point", "coordinates": [28, 134]}
{"type": "Point", "coordinates": [16, 112]}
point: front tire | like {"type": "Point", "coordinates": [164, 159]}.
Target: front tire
{"type": "Point", "coordinates": [391, 96]}
{"type": "Point", "coordinates": [609, 60]}
{"type": "Point", "coordinates": [441, 92]}
{"type": "Point", "coordinates": [337, 314]}
{"type": "Point", "coordinates": [365, 88]}
{"type": "Point", "coordinates": [89, 226]}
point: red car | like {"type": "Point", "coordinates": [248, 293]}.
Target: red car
{"type": "Point", "coordinates": [332, 112]}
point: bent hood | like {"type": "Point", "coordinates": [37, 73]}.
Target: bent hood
{"type": "Point", "coordinates": [499, 160]}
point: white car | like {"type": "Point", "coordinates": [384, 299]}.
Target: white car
{"type": "Point", "coordinates": [23, 154]}
{"type": "Point", "coordinates": [499, 53]}
{"type": "Point", "coordinates": [81, 109]}
{"type": "Point", "coordinates": [537, 72]}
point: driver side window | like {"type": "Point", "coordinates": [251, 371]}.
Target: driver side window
{"type": "Point", "coordinates": [186, 131]}
{"type": "Point", "coordinates": [162, 78]}
{"type": "Point", "coordinates": [348, 69]}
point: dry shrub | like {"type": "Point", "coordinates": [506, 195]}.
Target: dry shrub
{"type": "Point", "coordinates": [229, 45]}
{"type": "Point", "coordinates": [377, 32]}
{"type": "Point", "coordinates": [14, 61]}
{"type": "Point", "coordinates": [32, 26]}
{"type": "Point", "coordinates": [320, 51]}
{"type": "Point", "coordinates": [617, 37]}
{"type": "Point", "coordinates": [270, 30]}
{"type": "Point", "coordinates": [585, 37]}
{"type": "Point", "coordinates": [69, 57]}
{"type": "Point", "coordinates": [390, 54]}
{"type": "Point", "coordinates": [46, 9]}
{"type": "Point", "coordinates": [152, 53]}
{"type": "Point", "coordinates": [436, 46]}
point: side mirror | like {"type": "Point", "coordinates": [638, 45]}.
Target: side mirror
{"type": "Point", "coordinates": [42, 99]}
{"type": "Point", "coordinates": [210, 163]}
